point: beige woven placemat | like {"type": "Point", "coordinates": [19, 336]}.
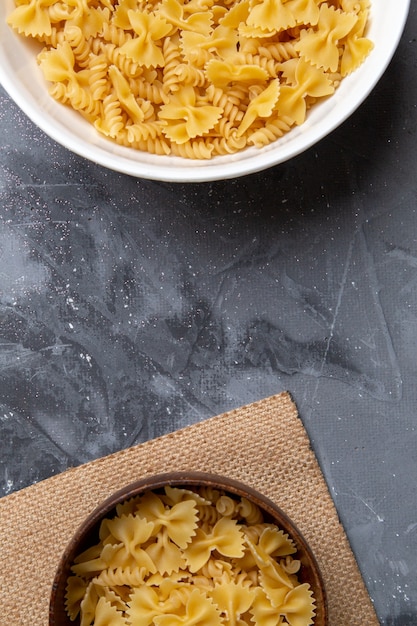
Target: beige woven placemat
{"type": "Point", "coordinates": [263, 444]}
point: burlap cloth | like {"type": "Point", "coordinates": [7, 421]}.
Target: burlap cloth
{"type": "Point", "coordinates": [263, 444]}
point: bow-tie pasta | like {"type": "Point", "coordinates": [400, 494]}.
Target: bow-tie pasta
{"type": "Point", "coordinates": [178, 556]}
{"type": "Point", "coordinates": [194, 78]}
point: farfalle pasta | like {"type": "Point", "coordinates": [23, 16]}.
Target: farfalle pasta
{"type": "Point", "coordinates": [177, 556]}
{"type": "Point", "coordinates": [147, 73]}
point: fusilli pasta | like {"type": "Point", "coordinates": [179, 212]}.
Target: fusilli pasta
{"type": "Point", "coordinates": [214, 77]}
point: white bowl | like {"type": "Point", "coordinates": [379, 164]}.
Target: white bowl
{"type": "Point", "coordinates": [23, 80]}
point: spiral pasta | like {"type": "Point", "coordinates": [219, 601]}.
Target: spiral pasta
{"type": "Point", "coordinates": [217, 76]}
{"type": "Point", "coordinates": [179, 556]}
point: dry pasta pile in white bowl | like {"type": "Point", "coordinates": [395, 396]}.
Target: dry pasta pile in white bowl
{"type": "Point", "coordinates": [194, 90]}
{"type": "Point", "coordinates": [190, 548]}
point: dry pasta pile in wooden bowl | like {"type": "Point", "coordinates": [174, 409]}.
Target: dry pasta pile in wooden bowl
{"type": "Point", "coordinates": [188, 548]}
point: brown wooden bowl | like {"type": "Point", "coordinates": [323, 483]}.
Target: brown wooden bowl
{"type": "Point", "coordinates": [87, 535]}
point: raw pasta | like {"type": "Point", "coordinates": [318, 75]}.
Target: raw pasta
{"type": "Point", "coordinates": [179, 556]}
{"type": "Point", "coordinates": [195, 78]}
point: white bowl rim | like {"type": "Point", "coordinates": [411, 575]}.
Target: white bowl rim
{"type": "Point", "coordinates": [322, 120]}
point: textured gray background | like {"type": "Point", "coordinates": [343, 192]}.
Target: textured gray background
{"type": "Point", "coordinates": [131, 308]}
